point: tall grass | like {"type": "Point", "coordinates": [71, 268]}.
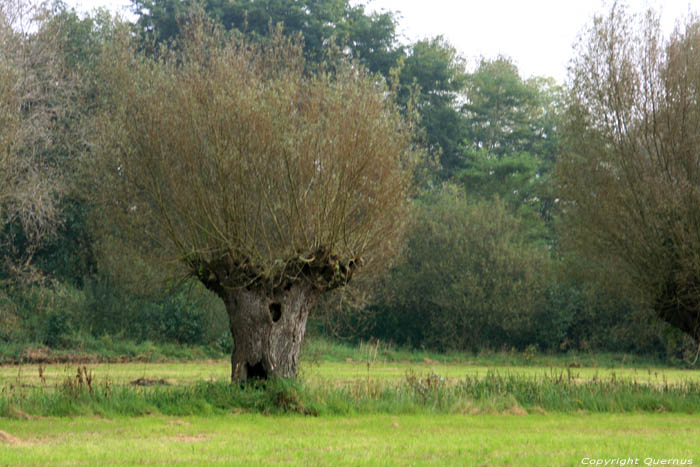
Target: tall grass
{"type": "Point", "coordinates": [415, 393]}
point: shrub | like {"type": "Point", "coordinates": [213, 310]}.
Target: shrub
{"type": "Point", "coordinates": [467, 279]}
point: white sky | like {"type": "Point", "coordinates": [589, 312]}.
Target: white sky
{"type": "Point", "coordinates": [537, 34]}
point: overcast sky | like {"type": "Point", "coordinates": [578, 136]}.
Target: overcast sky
{"type": "Point", "coordinates": [537, 34]}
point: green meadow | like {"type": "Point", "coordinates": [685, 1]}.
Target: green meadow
{"type": "Point", "coordinates": [350, 409]}
{"type": "Point", "coordinates": [541, 439]}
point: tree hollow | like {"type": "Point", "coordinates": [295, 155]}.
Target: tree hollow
{"type": "Point", "coordinates": [267, 331]}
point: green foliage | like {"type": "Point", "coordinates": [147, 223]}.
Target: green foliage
{"type": "Point", "coordinates": [62, 316]}
{"type": "Point", "coordinates": [582, 317]}
{"type": "Point", "coordinates": [370, 38]}
{"type": "Point", "coordinates": [472, 278]}
{"type": "Point", "coordinates": [629, 179]}
{"type": "Point", "coordinates": [36, 99]}
{"type": "Point", "coordinates": [507, 114]}
{"type": "Point", "coordinates": [69, 255]}
{"type": "Point", "coordinates": [437, 71]}
{"type": "Point", "coordinates": [512, 177]}
{"type": "Point", "coordinates": [58, 330]}
{"type": "Point", "coordinates": [43, 313]}
{"type": "Point", "coordinates": [475, 274]}
{"type": "Point", "coordinates": [511, 141]}
{"type": "Point", "coordinates": [187, 314]}
{"type": "Point", "coordinates": [83, 36]}
{"type": "Point", "coordinates": [467, 280]}
{"type": "Point", "coordinates": [519, 180]}
{"type": "Point", "coordinates": [10, 329]}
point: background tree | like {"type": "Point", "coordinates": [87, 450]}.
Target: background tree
{"type": "Point", "coordinates": [70, 253]}
{"type": "Point", "coordinates": [368, 38]}
{"type": "Point", "coordinates": [631, 181]}
{"type": "Point", "coordinates": [507, 114]}
{"type": "Point", "coordinates": [511, 140]}
{"type": "Point", "coordinates": [467, 279]}
{"type": "Point", "coordinates": [35, 92]}
{"type": "Point", "coordinates": [437, 71]}
{"type": "Point", "coordinates": [230, 159]}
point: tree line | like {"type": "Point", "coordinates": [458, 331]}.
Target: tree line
{"type": "Point", "coordinates": [246, 157]}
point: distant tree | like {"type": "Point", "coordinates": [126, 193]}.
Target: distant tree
{"type": "Point", "coordinates": [35, 88]}
{"type": "Point", "coordinates": [511, 138]}
{"type": "Point", "coordinates": [430, 71]}
{"type": "Point", "coordinates": [631, 180]}
{"type": "Point", "coordinates": [507, 114]}
{"type": "Point", "coordinates": [435, 68]}
{"type": "Point", "coordinates": [268, 184]}
{"type": "Point", "coordinates": [369, 38]}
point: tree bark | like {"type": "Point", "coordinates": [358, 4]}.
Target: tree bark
{"type": "Point", "coordinates": [267, 331]}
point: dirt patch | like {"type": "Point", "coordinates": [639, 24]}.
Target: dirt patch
{"type": "Point", "coordinates": [178, 423]}
{"type": "Point", "coordinates": [14, 412]}
{"type": "Point", "coordinates": [516, 410]}
{"type": "Point", "coordinates": [6, 438]}
{"type": "Point", "coordinates": [189, 438]}
{"type": "Point", "coordinates": [45, 355]}
{"type": "Point", "coordinates": [149, 382]}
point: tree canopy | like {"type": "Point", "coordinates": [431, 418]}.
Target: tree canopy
{"type": "Point", "coordinates": [631, 180]}
{"type": "Point", "coordinates": [506, 113]}
{"type": "Point", "coordinates": [233, 153]}
{"type": "Point", "coordinates": [369, 38]}
{"type": "Point", "coordinates": [433, 68]}
{"type": "Point", "coordinates": [35, 88]}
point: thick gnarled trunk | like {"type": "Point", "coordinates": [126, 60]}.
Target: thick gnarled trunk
{"type": "Point", "coordinates": [267, 314]}
{"type": "Point", "coordinates": [267, 331]}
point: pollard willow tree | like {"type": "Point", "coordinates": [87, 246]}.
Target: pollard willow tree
{"type": "Point", "coordinates": [631, 182]}
{"type": "Point", "coordinates": [269, 184]}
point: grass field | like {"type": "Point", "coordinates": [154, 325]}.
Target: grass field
{"type": "Point", "coordinates": [554, 439]}
{"type": "Point", "coordinates": [189, 372]}
{"type": "Point", "coordinates": [369, 411]}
